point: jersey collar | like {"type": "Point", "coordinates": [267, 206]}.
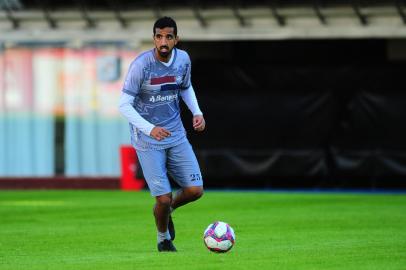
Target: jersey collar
{"type": "Point", "coordinates": [171, 61]}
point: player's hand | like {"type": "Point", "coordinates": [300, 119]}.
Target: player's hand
{"type": "Point", "coordinates": [198, 122]}
{"type": "Point", "coordinates": [159, 133]}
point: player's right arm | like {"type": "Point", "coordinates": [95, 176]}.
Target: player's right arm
{"type": "Point", "coordinates": [132, 115]}
{"type": "Point", "coordinates": [138, 121]}
{"type": "Point", "coordinates": [131, 88]}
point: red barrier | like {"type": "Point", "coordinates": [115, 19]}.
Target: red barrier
{"type": "Point", "coordinates": [129, 167]}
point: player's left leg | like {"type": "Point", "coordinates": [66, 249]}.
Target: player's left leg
{"type": "Point", "coordinates": [182, 165]}
{"type": "Point", "coordinates": [183, 196]}
{"type": "Point", "coordinates": [186, 195]}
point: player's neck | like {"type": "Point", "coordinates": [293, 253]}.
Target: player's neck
{"type": "Point", "coordinates": [163, 59]}
{"type": "Point", "coordinates": [168, 60]}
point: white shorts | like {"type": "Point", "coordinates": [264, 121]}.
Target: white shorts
{"type": "Point", "coordinates": [179, 162]}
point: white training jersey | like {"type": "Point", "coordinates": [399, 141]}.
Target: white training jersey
{"type": "Point", "coordinates": [156, 89]}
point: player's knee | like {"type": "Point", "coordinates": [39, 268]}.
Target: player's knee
{"type": "Point", "coordinates": [164, 200]}
{"type": "Point", "coordinates": [196, 192]}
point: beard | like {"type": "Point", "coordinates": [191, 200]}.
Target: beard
{"type": "Point", "coordinates": [164, 54]}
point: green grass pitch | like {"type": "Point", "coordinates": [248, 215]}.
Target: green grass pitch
{"type": "Point", "coordinates": [115, 230]}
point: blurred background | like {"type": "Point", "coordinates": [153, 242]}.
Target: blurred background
{"type": "Point", "coordinates": [307, 93]}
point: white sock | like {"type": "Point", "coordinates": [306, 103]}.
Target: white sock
{"type": "Point", "coordinates": [168, 235]}
{"type": "Point", "coordinates": [162, 236]}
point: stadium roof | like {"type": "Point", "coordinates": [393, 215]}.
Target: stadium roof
{"type": "Point", "coordinates": [104, 20]}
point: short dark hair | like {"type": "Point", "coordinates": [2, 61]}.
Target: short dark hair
{"type": "Point", "coordinates": [165, 22]}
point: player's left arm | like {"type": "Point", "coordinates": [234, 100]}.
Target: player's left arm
{"type": "Point", "coordinates": [189, 97]}
{"type": "Point", "coordinates": [199, 123]}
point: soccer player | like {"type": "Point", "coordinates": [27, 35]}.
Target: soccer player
{"type": "Point", "coordinates": [156, 80]}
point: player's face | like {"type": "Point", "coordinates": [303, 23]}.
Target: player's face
{"type": "Point", "coordinates": [164, 40]}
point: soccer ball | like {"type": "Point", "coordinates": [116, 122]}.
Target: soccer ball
{"type": "Point", "coordinates": [219, 237]}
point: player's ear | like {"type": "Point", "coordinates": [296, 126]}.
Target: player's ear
{"type": "Point", "coordinates": [176, 40]}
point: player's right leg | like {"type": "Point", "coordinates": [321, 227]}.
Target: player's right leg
{"type": "Point", "coordinates": [153, 164]}
{"type": "Point", "coordinates": [161, 213]}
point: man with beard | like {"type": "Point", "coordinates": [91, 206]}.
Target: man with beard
{"type": "Point", "coordinates": [150, 102]}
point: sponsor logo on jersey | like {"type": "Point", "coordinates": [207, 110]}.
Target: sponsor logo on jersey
{"type": "Point", "coordinates": [162, 98]}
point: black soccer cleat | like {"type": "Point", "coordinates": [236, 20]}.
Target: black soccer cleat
{"type": "Point", "coordinates": [166, 246]}
{"type": "Point", "coordinates": [171, 228]}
